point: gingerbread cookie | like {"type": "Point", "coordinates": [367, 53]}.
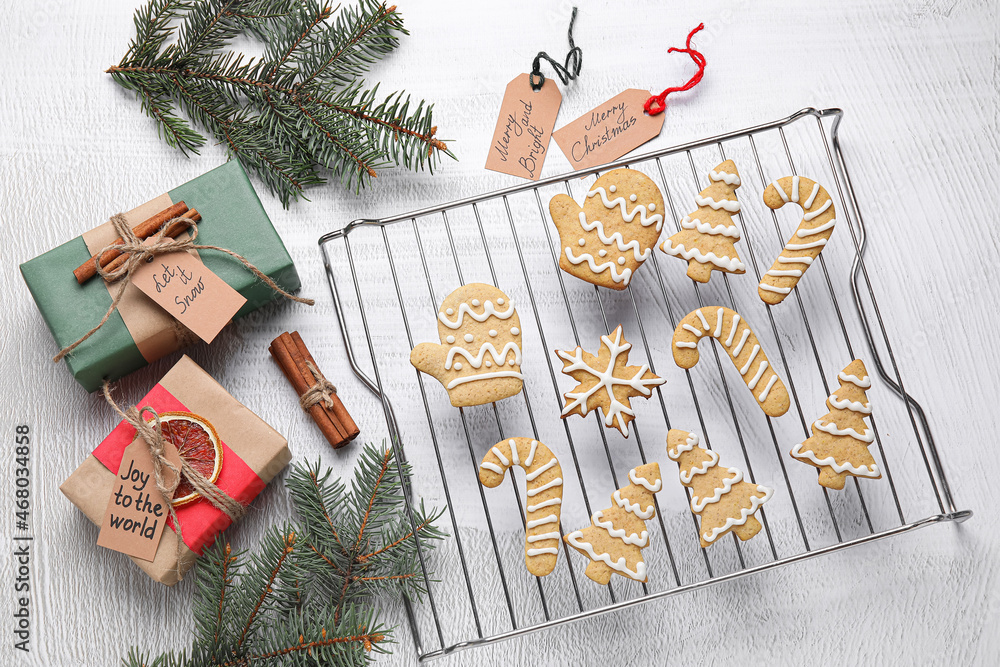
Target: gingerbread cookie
{"type": "Point", "coordinates": [543, 475]}
{"type": "Point", "coordinates": [840, 438]}
{"type": "Point", "coordinates": [735, 335]}
{"type": "Point", "coordinates": [479, 358]}
{"type": "Point", "coordinates": [808, 241]}
{"type": "Point", "coordinates": [708, 236]}
{"type": "Point", "coordinates": [607, 240]}
{"type": "Point", "coordinates": [616, 536]}
{"type": "Point", "coordinates": [607, 381]}
{"type": "Point", "coordinates": [718, 495]}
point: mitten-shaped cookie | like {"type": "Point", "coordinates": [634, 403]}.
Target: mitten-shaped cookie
{"type": "Point", "coordinates": [607, 240]}
{"type": "Point", "coordinates": [708, 236]}
{"type": "Point", "coordinates": [479, 358]}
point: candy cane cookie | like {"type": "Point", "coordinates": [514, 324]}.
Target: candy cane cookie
{"type": "Point", "coordinates": [742, 346]}
{"type": "Point", "coordinates": [808, 241]}
{"type": "Point", "coordinates": [544, 496]}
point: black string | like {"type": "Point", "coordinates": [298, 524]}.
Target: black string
{"type": "Point", "coordinates": [567, 72]}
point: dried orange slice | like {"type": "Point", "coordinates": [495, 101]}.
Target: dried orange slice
{"type": "Point", "coordinates": [198, 444]}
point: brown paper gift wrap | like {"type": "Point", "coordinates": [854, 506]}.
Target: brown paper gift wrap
{"type": "Point", "coordinates": [260, 454]}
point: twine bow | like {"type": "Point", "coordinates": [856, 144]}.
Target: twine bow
{"type": "Point", "coordinates": [138, 252]}
{"type": "Point", "coordinates": [152, 433]}
{"type": "Point", "coordinates": [320, 392]}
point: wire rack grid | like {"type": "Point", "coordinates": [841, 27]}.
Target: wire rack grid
{"type": "Point", "coordinates": [399, 269]}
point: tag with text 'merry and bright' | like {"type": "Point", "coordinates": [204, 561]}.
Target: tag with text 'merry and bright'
{"type": "Point", "coordinates": [524, 128]}
{"type": "Point", "coordinates": [183, 286]}
{"type": "Point", "coordinates": [137, 512]}
{"type": "Point", "coordinates": [609, 131]}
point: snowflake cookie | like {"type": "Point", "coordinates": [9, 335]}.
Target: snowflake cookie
{"type": "Point", "coordinates": [479, 358]}
{"type": "Point", "coordinates": [718, 494]}
{"type": "Point", "coordinates": [607, 239]}
{"type": "Point", "coordinates": [840, 438]}
{"type": "Point", "coordinates": [607, 381]}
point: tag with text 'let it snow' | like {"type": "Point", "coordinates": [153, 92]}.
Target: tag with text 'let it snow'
{"type": "Point", "coordinates": [524, 127]}
{"type": "Point", "coordinates": [609, 130]}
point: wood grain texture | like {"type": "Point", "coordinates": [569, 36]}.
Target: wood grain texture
{"type": "Point", "coordinates": [918, 80]}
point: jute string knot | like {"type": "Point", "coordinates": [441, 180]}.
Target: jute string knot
{"type": "Point", "coordinates": [139, 252]}
{"type": "Point", "coordinates": [320, 392]}
{"type": "Point", "coordinates": [151, 432]}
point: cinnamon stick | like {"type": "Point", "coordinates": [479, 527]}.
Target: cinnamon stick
{"type": "Point", "coordinates": [340, 413]}
{"type": "Point", "coordinates": [143, 230]}
{"type": "Point", "coordinates": [293, 364]}
{"type": "Point", "coordinates": [173, 232]}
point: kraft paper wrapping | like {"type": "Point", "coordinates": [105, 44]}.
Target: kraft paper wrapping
{"type": "Point", "coordinates": [260, 447]}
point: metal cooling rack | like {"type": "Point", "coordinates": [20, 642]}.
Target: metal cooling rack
{"type": "Point", "coordinates": [480, 593]}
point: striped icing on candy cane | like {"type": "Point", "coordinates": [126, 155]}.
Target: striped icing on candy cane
{"type": "Point", "coordinates": [808, 241]}
{"type": "Point", "coordinates": [543, 477]}
{"type": "Point", "coordinates": [736, 337]}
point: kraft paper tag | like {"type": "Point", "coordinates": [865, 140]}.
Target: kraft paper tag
{"type": "Point", "coordinates": [524, 127]}
{"type": "Point", "coordinates": [609, 131]}
{"type": "Point", "coordinates": [183, 286]}
{"type": "Point", "coordinates": [136, 513]}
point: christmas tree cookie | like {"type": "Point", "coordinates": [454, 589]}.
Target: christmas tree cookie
{"type": "Point", "coordinates": [808, 241]}
{"type": "Point", "coordinates": [840, 438]}
{"type": "Point", "coordinates": [479, 358]}
{"type": "Point", "coordinates": [607, 239]}
{"type": "Point", "coordinates": [718, 495]}
{"type": "Point", "coordinates": [616, 536]}
{"type": "Point", "coordinates": [607, 381]}
{"type": "Point", "coordinates": [708, 236]}
{"type": "Point", "coordinates": [543, 476]}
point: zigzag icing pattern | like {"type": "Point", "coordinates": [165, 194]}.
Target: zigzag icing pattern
{"type": "Point", "coordinates": [489, 310]}
{"type": "Point", "coordinates": [729, 263]}
{"type": "Point", "coordinates": [640, 210]}
{"type": "Point", "coordinates": [745, 513]}
{"type": "Point", "coordinates": [861, 471]}
{"type": "Point", "coordinates": [616, 238]}
{"type": "Point", "coordinates": [618, 276]}
{"type": "Point", "coordinates": [705, 228]}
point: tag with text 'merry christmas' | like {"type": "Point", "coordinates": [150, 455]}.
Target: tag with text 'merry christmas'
{"type": "Point", "coordinates": [524, 127]}
{"type": "Point", "coordinates": [137, 512]}
{"type": "Point", "coordinates": [183, 286]}
{"type": "Point", "coordinates": [609, 131]}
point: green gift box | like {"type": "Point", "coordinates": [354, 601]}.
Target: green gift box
{"type": "Point", "coordinates": [139, 331]}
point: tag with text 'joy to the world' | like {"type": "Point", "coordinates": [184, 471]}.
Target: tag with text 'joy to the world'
{"type": "Point", "coordinates": [137, 512]}
{"type": "Point", "coordinates": [524, 127]}
{"type": "Point", "coordinates": [609, 131]}
{"type": "Point", "coordinates": [183, 286]}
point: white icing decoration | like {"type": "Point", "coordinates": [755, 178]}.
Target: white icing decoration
{"type": "Point", "coordinates": [539, 552]}
{"type": "Point", "coordinates": [530, 476]}
{"type": "Point", "coordinates": [756, 378]}
{"type": "Point", "coordinates": [613, 188]}
{"type": "Point", "coordinates": [795, 189]}
{"type": "Point", "coordinates": [725, 177]}
{"type": "Point", "coordinates": [732, 332]}
{"type": "Point", "coordinates": [488, 363]}
{"type": "Point", "coordinates": [634, 508]}
{"type": "Point", "coordinates": [818, 212]}
{"type": "Point", "coordinates": [864, 382]}
{"type": "Point", "coordinates": [450, 339]}
{"type": "Point", "coordinates": [484, 376]}
{"type": "Point", "coordinates": [713, 460]}
{"type": "Point", "coordinates": [514, 331]}
{"type": "Point", "coordinates": [543, 536]}
{"type": "Point", "coordinates": [486, 465]}
{"type": "Point", "coordinates": [805, 246]}
{"type": "Point", "coordinates": [621, 260]}
{"type": "Point", "coordinates": [725, 204]}
{"type": "Point", "coordinates": [745, 513]}
{"type": "Point", "coordinates": [464, 309]}
{"type": "Point", "coordinates": [833, 429]}
{"type": "Point", "coordinates": [616, 276]}
{"type": "Point", "coordinates": [457, 366]}
{"type": "Point", "coordinates": [718, 324]}
{"type": "Point", "coordinates": [543, 505]}
{"type": "Point", "coordinates": [499, 356]}
{"type": "Point", "coordinates": [683, 344]}
{"type": "Point", "coordinates": [779, 273]}
{"type": "Point", "coordinates": [545, 487]}
{"type": "Point", "coordinates": [690, 328]}
{"type": "Point", "coordinates": [475, 302]}
{"type": "Point", "coordinates": [615, 238]}
{"type": "Point", "coordinates": [803, 233]}
{"type": "Point", "coordinates": [686, 446]}
{"type": "Point", "coordinates": [812, 197]}
{"type": "Point", "coordinates": [503, 459]}
{"type": "Point", "coordinates": [639, 574]}
{"type": "Point", "coordinates": [699, 504]}
{"type": "Point", "coordinates": [853, 406]}
{"type": "Point", "coordinates": [781, 191]}
{"type": "Point", "coordinates": [500, 301]}
{"type": "Point", "coordinates": [771, 288]}
{"type": "Point", "coordinates": [582, 242]}
{"type": "Point", "coordinates": [753, 355]}
{"type": "Point", "coordinates": [632, 197]}
{"type": "Point", "coordinates": [795, 260]}
{"type": "Point", "coordinates": [705, 228]}
{"type": "Point", "coordinates": [728, 263]}
{"type": "Point", "coordinates": [531, 453]}
{"type": "Point", "coordinates": [642, 481]}
{"type": "Point", "coordinates": [552, 518]}
{"type": "Point", "coordinates": [652, 207]}
{"type": "Point", "coordinates": [602, 253]}
{"type": "Point", "coordinates": [513, 452]}
{"type": "Point", "coordinates": [640, 540]}
{"type": "Point", "coordinates": [493, 333]}
{"type": "Point", "coordinates": [607, 381]}
{"type": "Point", "coordinates": [469, 338]}
{"type": "Point", "coordinates": [743, 340]}
{"type": "Point", "coordinates": [770, 383]}
{"type": "Point", "coordinates": [704, 322]}
{"type": "Point", "coordinates": [640, 210]}
{"type": "Point", "coordinates": [829, 461]}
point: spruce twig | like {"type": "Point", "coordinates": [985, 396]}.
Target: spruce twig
{"type": "Point", "coordinates": [307, 594]}
{"type": "Point", "coordinates": [294, 116]}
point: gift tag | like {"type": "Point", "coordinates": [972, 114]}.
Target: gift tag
{"type": "Point", "coordinates": [137, 512]}
{"type": "Point", "coordinates": [183, 286]}
{"type": "Point", "coordinates": [524, 127]}
{"type": "Point", "coordinates": [609, 131]}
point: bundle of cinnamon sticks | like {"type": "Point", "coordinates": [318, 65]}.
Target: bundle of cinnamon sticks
{"type": "Point", "coordinates": [298, 366]}
{"type": "Point", "coordinates": [111, 259]}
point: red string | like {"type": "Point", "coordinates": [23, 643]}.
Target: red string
{"type": "Point", "coordinates": [657, 103]}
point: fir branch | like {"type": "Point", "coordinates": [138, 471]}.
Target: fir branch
{"type": "Point", "coordinates": [295, 115]}
{"type": "Point", "coordinates": [307, 594]}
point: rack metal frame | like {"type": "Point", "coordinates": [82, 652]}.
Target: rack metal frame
{"type": "Point", "coordinates": [870, 320]}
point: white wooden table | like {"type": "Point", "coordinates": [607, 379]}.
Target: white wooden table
{"type": "Point", "coordinates": [918, 81]}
